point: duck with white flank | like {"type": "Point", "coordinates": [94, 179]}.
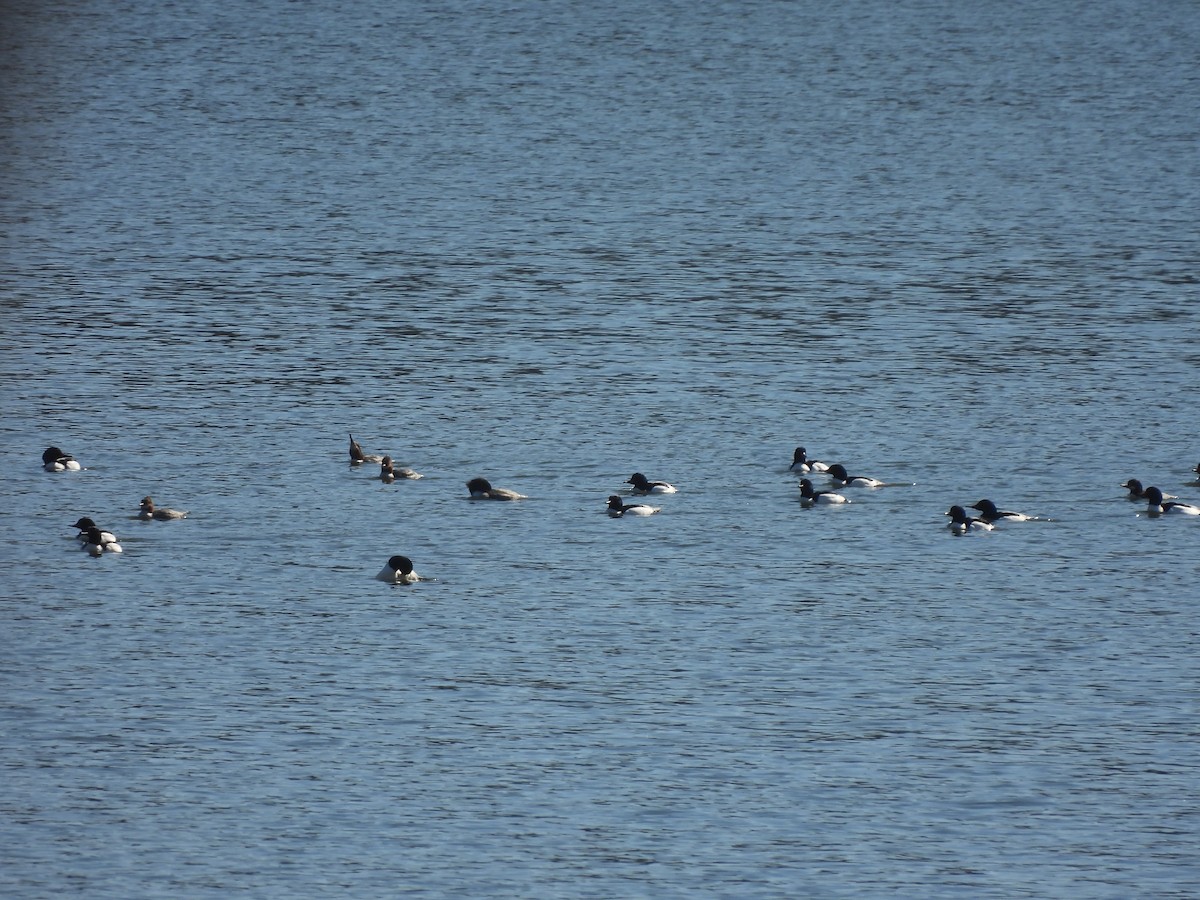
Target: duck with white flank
{"type": "Point", "coordinates": [357, 457]}
{"type": "Point", "coordinates": [1156, 506]}
{"type": "Point", "coordinates": [801, 463]}
{"type": "Point", "coordinates": [481, 489]}
{"type": "Point", "coordinates": [96, 544]}
{"type": "Point", "coordinates": [399, 570]}
{"type": "Point", "coordinates": [810, 498]}
{"type": "Point", "coordinates": [961, 523]}
{"type": "Point", "coordinates": [85, 526]}
{"type": "Point", "coordinates": [149, 511]}
{"type": "Point", "coordinates": [54, 460]}
{"type": "Point", "coordinates": [643, 486]}
{"type": "Point", "coordinates": [389, 473]}
{"type": "Point", "coordinates": [840, 479]}
{"type": "Point", "coordinates": [619, 509]}
{"type": "Point", "coordinates": [989, 513]}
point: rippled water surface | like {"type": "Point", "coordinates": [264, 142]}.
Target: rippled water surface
{"type": "Point", "coordinates": [951, 246]}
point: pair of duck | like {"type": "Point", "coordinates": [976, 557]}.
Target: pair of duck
{"type": "Point", "coordinates": [388, 472]}
{"type": "Point", "coordinates": [95, 540]}
{"type": "Point", "coordinates": [989, 517]}
{"type": "Point", "coordinates": [1158, 503]}
{"type": "Point", "coordinates": [642, 486]}
{"type": "Point", "coordinates": [837, 473]}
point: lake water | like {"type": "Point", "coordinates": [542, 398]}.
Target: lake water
{"type": "Point", "coordinates": [951, 245]}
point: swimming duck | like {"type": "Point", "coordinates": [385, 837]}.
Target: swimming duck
{"type": "Point", "coordinates": [961, 523]}
{"type": "Point", "coordinates": [357, 456]}
{"type": "Point", "coordinates": [1136, 492]}
{"type": "Point", "coordinates": [388, 473]}
{"type": "Point", "coordinates": [162, 513]}
{"type": "Point", "coordinates": [840, 479]}
{"type": "Point", "coordinates": [481, 489]}
{"type": "Point", "coordinates": [809, 497]}
{"type": "Point", "coordinates": [95, 543]}
{"type": "Point", "coordinates": [85, 525]}
{"type": "Point", "coordinates": [399, 570]}
{"type": "Point", "coordinates": [54, 460]}
{"type": "Point", "coordinates": [1155, 506]}
{"type": "Point", "coordinates": [617, 508]}
{"type": "Point", "coordinates": [642, 486]}
{"type": "Point", "coordinates": [989, 513]}
{"type": "Point", "coordinates": [801, 462]}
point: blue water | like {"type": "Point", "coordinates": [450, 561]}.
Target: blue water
{"type": "Point", "coordinates": [951, 245]}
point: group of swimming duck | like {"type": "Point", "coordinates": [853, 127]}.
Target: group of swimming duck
{"type": "Point", "coordinates": [94, 540]}
{"type": "Point", "coordinates": [990, 515]}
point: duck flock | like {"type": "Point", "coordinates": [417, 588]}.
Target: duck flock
{"type": "Point", "coordinates": [97, 541]}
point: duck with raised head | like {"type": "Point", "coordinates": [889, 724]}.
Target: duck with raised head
{"type": "Point", "coordinates": [989, 513]}
{"type": "Point", "coordinates": [481, 489]}
{"type": "Point", "coordinates": [642, 485]}
{"type": "Point", "coordinates": [961, 523]}
{"type": "Point", "coordinates": [801, 463]}
{"type": "Point", "coordinates": [1157, 506]}
{"type": "Point", "coordinates": [389, 473]}
{"type": "Point", "coordinates": [149, 511]}
{"type": "Point", "coordinates": [1138, 492]}
{"type": "Point", "coordinates": [399, 570]}
{"type": "Point", "coordinates": [97, 543]}
{"type": "Point", "coordinates": [617, 508]}
{"type": "Point", "coordinates": [810, 498]}
{"type": "Point", "coordinates": [357, 457]}
{"type": "Point", "coordinates": [841, 479]}
{"type": "Point", "coordinates": [55, 460]}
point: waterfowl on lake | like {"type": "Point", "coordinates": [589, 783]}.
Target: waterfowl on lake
{"type": "Point", "coordinates": [961, 523]}
{"type": "Point", "coordinates": [357, 456]}
{"type": "Point", "coordinates": [399, 570]}
{"type": "Point", "coordinates": [149, 511]}
{"type": "Point", "coordinates": [1156, 506]}
{"type": "Point", "coordinates": [96, 544]}
{"type": "Point", "coordinates": [801, 462]}
{"type": "Point", "coordinates": [389, 473]}
{"type": "Point", "coordinates": [85, 526]}
{"type": "Point", "coordinates": [989, 513]}
{"type": "Point", "coordinates": [840, 479]}
{"type": "Point", "coordinates": [642, 486]}
{"type": "Point", "coordinates": [481, 489]}
{"type": "Point", "coordinates": [54, 460]}
{"type": "Point", "coordinates": [618, 508]}
{"type": "Point", "coordinates": [809, 497]}
{"type": "Point", "coordinates": [1137, 492]}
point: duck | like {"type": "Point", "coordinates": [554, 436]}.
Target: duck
{"type": "Point", "coordinates": [618, 508]}
{"type": "Point", "coordinates": [801, 462]}
{"type": "Point", "coordinates": [149, 511]}
{"type": "Point", "coordinates": [481, 489]}
{"type": "Point", "coordinates": [95, 543]}
{"type": "Point", "coordinates": [54, 460]}
{"type": "Point", "coordinates": [642, 486]}
{"type": "Point", "coordinates": [1155, 506]}
{"type": "Point", "coordinates": [810, 498]}
{"type": "Point", "coordinates": [989, 513]}
{"type": "Point", "coordinates": [399, 570]}
{"type": "Point", "coordinates": [840, 479]}
{"type": "Point", "coordinates": [357, 457]}
{"type": "Point", "coordinates": [85, 525]}
{"type": "Point", "coordinates": [1137, 492]}
{"type": "Point", "coordinates": [388, 473]}
{"type": "Point", "coordinates": [961, 523]}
